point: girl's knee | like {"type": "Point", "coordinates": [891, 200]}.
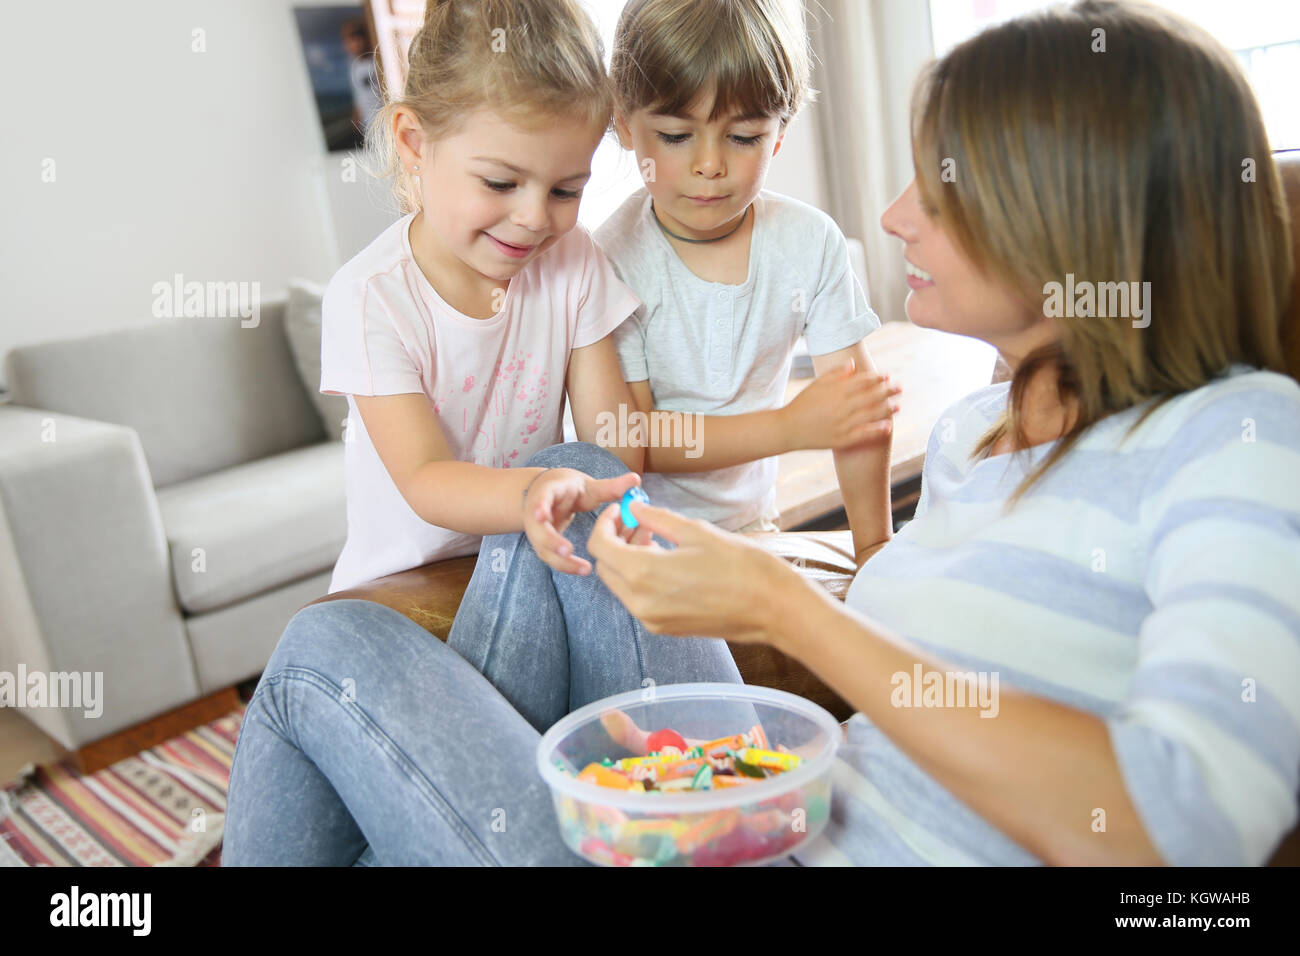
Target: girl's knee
{"type": "Point", "coordinates": [331, 628]}
{"type": "Point", "coordinates": [581, 456]}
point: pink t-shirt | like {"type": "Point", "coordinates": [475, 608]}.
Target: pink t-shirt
{"type": "Point", "coordinates": [496, 385]}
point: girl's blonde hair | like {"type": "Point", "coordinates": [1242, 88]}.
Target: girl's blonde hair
{"type": "Point", "coordinates": [1118, 143]}
{"type": "Point", "coordinates": [526, 60]}
{"type": "Point", "coordinates": [754, 53]}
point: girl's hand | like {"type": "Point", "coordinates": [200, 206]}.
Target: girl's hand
{"type": "Point", "coordinates": [554, 497]}
{"type": "Point", "coordinates": [841, 409]}
{"type": "Point", "coordinates": [712, 584]}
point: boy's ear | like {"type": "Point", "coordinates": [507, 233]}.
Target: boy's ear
{"type": "Point", "coordinates": [622, 131]}
{"type": "Point", "coordinates": [780, 138]}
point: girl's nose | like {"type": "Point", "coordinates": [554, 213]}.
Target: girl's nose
{"type": "Point", "coordinates": [899, 219]}
{"type": "Point", "coordinates": [531, 213]}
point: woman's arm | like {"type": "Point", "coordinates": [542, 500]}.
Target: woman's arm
{"type": "Point", "coordinates": [863, 470]}
{"type": "Point", "coordinates": [1037, 771]}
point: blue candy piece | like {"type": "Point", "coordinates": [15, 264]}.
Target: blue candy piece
{"type": "Point", "coordinates": [632, 494]}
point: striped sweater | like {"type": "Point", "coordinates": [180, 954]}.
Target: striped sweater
{"type": "Point", "coordinates": [1150, 579]}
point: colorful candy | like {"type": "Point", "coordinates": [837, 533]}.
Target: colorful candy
{"type": "Point", "coordinates": [762, 829]}
{"type": "Point", "coordinates": [725, 762]}
{"type": "Point", "coordinates": [665, 738]}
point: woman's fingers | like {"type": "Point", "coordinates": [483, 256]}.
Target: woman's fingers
{"type": "Point", "coordinates": [669, 525]}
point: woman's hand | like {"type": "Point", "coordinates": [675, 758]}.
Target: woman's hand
{"type": "Point", "coordinates": [841, 409]}
{"type": "Point", "coordinates": [552, 500]}
{"type": "Point", "coordinates": [712, 584]}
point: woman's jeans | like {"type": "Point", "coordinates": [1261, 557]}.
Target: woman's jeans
{"type": "Point", "coordinates": [369, 741]}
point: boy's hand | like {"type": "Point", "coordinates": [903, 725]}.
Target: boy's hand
{"type": "Point", "coordinates": [554, 497]}
{"type": "Point", "coordinates": [843, 408]}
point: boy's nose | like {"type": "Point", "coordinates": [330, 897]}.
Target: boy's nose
{"type": "Point", "coordinates": [709, 163]}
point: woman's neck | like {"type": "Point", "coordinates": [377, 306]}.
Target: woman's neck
{"type": "Point", "coordinates": [1044, 417]}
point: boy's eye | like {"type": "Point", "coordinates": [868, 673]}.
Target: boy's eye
{"type": "Point", "coordinates": [673, 139]}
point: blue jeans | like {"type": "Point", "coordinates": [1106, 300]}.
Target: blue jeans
{"type": "Point", "coordinates": [370, 742]}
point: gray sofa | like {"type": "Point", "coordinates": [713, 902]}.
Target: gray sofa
{"type": "Point", "coordinates": [169, 497]}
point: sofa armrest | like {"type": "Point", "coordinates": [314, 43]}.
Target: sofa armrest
{"type": "Point", "coordinates": [85, 578]}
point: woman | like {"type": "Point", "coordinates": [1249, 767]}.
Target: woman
{"type": "Point", "coordinates": [1109, 541]}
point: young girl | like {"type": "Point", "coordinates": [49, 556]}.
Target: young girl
{"type": "Point", "coordinates": [732, 274]}
{"type": "Point", "coordinates": [458, 331]}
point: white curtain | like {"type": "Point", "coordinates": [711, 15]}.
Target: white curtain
{"type": "Point", "coordinates": [868, 53]}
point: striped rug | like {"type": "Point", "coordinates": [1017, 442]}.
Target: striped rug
{"type": "Point", "coordinates": [163, 807]}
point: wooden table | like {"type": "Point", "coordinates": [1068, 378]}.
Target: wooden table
{"type": "Point", "coordinates": [934, 368]}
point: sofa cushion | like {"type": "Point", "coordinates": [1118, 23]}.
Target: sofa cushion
{"type": "Point", "coordinates": [254, 527]}
{"type": "Point", "coordinates": [203, 394]}
{"type": "Point", "coordinates": [302, 323]}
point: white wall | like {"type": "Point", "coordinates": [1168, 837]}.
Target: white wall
{"type": "Point", "coordinates": [208, 164]}
{"type": "Point", "coordinates": [166, 160]}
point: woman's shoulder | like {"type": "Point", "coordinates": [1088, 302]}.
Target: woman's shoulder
{"type": "Point", "coordinates": [1260, 404]}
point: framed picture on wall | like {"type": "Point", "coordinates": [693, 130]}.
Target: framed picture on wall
{"type": "Point", "coordinates": [338, 44]}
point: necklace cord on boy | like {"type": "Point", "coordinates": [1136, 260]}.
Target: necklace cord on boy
{"type": "Point", "coordinates": [684, 239]}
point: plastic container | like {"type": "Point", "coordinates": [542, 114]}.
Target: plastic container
{"type": "Point", "coordinates": [746, 825]}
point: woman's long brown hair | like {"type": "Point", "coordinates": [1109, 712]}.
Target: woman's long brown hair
{"type": "Point", "coordinates": [1115, 142]}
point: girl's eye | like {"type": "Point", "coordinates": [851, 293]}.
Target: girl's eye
{"type": "Point", "coordinates": [503, 187]}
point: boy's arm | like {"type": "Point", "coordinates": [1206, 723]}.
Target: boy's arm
{"type": "Point", "coordinates": [687, 441]}
{"type": "Point", "coordinates": [863, 470]}
{"type": "Point", "coordinates": [596, 391]}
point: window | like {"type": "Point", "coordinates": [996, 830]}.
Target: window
{"type": "Point", "coordinates": [1264, 34]}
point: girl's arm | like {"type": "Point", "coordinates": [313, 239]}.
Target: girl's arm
{"type": "Point", "coordinates": [842, 408]}
{"type": "Point", "coordinates": [1036, 772]}
{"type": "Point", "coordinates": [863, 470]}
{"type": "Point", "coordinates": [475, 499]}
{"type": "Point", "coordinates": [456, 495]}
{"type": "Point", "coordinates": [595, 386]}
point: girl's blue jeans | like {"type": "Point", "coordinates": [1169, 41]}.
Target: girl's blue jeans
{"type": "Point", "coordinates": [370, 742]}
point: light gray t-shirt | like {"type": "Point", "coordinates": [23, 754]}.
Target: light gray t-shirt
{"type": "Point", "coordinates": [720, 349]}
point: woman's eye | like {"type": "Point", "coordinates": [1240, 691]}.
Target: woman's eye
{"type": "Point", "coordinates": [672, 139]}
{"type": "Point", "coordinates": [567, 193]}
{"type": "Point", "coordinates": [497, 186]}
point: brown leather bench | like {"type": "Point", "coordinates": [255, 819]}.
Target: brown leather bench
{"type": "Point", "coordinates": [430, 595]}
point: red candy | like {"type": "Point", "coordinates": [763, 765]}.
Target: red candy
{"type": "Point", "coordinates": [665, 738]}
